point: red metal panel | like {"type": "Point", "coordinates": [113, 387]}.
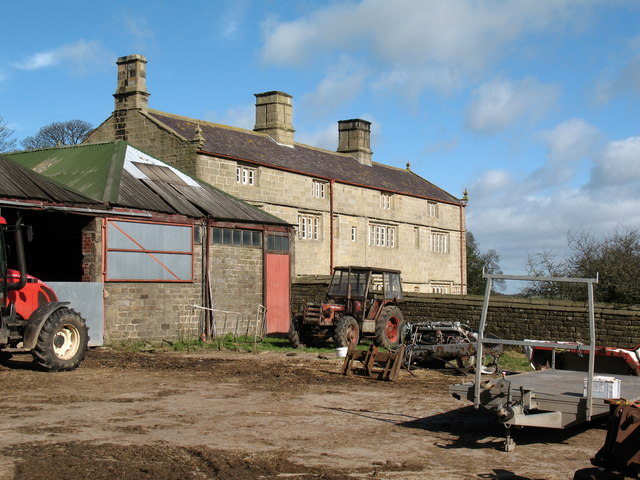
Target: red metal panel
{"type": "Point", "coordinates": [278, 292]}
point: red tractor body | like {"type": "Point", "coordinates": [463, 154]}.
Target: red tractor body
{"type": "Point", "coordinates": [360, 301]}
{"type": "Point", "coordinates": [31, 317]}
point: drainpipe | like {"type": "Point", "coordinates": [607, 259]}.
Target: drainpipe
{"type": "Point", "coordinates": [463, 259]}
{"type": "Point", "coordinates": [332, 227]}
{"type": "Point", "coordinates": [207, 290]}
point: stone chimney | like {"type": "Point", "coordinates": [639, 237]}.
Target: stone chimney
{"type": "Point", "coordinates": [274, 116]}
{"type": "Point", "coordinates": [132, 83]}
{"type": "Point", "coordinates": [354, 137]}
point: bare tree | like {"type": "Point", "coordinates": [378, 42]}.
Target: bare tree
{"type": "Point", "coordinates": [6, 142]}
{"type": "Point", "coordinates": [614, 259]}
{"type": "Point", "coordinates": [55, 134]}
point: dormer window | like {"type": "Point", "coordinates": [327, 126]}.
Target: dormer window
{"type": "Point", "coordinates": [386, 201]}
{"type": "Point", "coordinates": [245, 175]}
{"type": "Point", "coordinates": [318, 189]}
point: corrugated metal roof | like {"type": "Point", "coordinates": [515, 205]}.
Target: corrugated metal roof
{"type": "Point", "coordinates": [119, 175]}
{"type": "Point", "coordinates": [18, 182]}
{"type": "Point", "coordinates": [260, 148]}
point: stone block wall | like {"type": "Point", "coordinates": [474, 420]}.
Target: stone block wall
{"type": "Point", "coordinates": [237, 285]}
{"type": "Point", "coordinates": [510, 318]}
{"type": "Point", "coordinates": [142, 132]}
{"type": "Point", "coordinates": [151, 311]}
{"type": "Point", "coordinates": [288, 195]}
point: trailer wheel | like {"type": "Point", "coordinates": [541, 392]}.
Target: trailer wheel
{"type": "Point", "coordinates": [62, 342]}
{"type": "Point", "coordinates": [389, 327]}
{"type": "Point", "coordinates": [347, 333]}
{"type": "Point", "coordinates": [294, 332]}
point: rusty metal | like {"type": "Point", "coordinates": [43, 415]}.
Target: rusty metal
{"type": "Point", "coordinates": [621, 450]}
{"type": "Point", "coordinates": [373, 363]}
{"type": "Point", "coordinates": [452, 343]}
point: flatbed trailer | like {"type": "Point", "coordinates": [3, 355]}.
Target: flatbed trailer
{"type": "Point", "coordinates": [545, 398]}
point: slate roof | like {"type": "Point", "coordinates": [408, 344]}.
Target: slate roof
{"type": "Point", "coordinates": [119, 175]}
{"type": "Point", "coordinates": [20, 183]}
{"type": "Point", "coordinates": [221, 140]}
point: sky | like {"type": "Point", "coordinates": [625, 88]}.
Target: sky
{"type": "Point", "coordinates": [531, 106]}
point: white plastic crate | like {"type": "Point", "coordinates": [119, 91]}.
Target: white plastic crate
{"type": "Point", "coordinates": [603, 387]}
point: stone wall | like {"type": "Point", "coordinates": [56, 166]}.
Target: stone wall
{"type": "Point", "coordinates": [510, 318]}
{"type": "Point", "coordinates": [288, 195]}
{"type": "Point", "coordinates": [237, 284]}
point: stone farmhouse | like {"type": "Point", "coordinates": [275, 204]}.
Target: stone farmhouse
{"type": "Point", "coordinates": [347, 209]}
{"type": "Point", "coordinates": [144, 251]}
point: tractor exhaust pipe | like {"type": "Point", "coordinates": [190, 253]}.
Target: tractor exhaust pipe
{"type": "Point", "coordinates": [22, 264]}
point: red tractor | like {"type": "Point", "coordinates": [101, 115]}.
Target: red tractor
{"type": "Point", "coordinates": [31, 317]}
{"type": "Point", "coordinates": [361, 301]}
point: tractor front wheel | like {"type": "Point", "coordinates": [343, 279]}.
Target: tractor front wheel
{"type": "Point", "coordinates": [294, 332]}
{"type": "Point", "coordinates": [62, 342]}
{"type": "Point", "coordinates": [389, 327]}
{"type": "Point", "coordinates": [347, 333]}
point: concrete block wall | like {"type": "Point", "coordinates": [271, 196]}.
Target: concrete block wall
{"type": "Point", "coordinates": [508, 317]}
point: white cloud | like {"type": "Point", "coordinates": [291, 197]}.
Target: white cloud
{"type": "Point", "coordinates": [326, 137]}
{"type": "Point", "coordinates": [567, 144]}
{"type": "Point", "coordinates": [80, 54]}
{"type": "Point", "coordinates": [340, 86]}
{"type": "Point", "coordinates": [625, 80]}
{"type": "Point", "coordinates": [618, 168]}
{"type": "Point", "coordinates": [571, 140]}
{"type": "Point", "coordinates": [433, 41]}
{"type": "Point", "coordinates": [516, 219]}
{"type": "Point", "coordinates": [241, 116]}
{"type": "Point", "coordinates": [500, 103]}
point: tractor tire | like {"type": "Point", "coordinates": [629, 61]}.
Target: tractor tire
{"type": "Point", "coordinates": [389, 328]}
{"type": "Point", "coordinates": [62, 342]}
{"type": "Point", "coordinates": [347, 333]}
{"type": "Point", "coordinates": [294, 332]}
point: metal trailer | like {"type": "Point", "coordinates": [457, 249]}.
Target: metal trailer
{"type": "Point", "coordinates": [546, 398]}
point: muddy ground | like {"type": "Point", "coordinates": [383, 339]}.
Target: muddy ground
{"type": "Point", "coordinates": [226, 415]}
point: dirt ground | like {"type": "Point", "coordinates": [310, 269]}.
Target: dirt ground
{"type": "Point", "coordinates": [227, 415]}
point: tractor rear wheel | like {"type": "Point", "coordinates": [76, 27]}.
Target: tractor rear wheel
{"type": "Point", "coordinates": [347, 333]}
{"type": "Point", "coordinates": [389, 327]}
{"type": "Point", "coordinates": [62, 342]}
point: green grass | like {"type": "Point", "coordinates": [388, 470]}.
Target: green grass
{"type": "Point", "coordinates": [515, 361]}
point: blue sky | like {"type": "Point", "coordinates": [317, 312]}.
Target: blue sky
{"type": "Point", "coordinates": [533, 106]}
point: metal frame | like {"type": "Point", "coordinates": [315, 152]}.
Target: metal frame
{"type": "Point", "coordinates": [592, 330]}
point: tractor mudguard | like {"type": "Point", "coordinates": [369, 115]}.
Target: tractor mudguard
{"type": "Point", "coordinates": [36, 321]}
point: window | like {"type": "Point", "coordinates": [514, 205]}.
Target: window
{"type": "Point", "coordinates": [308, 227]}
{"type": "Point", "coordinates": [385, 199]}
{"type": "Point", "coordinates": [277, 244]}
{"type": "Point", "coordinates": [354, 234]}
{"type": "Point", "coordinates": [416, 235]}
{"type": "Point", "coordinates": [138, 251]}
{"type": "Point", "coordinates": [433, 209]}
{"type": "Point", "coordinates": [245, 175]}
{"type": "Point", "coordinates": [235, 236]}
{"type": "Point", "coordinates": [318, 189]}
{"type": "Point", "coordinates": [382, 236]}
{"type": "Point", "coordinates": [440, 289]}
{"type": "Point", "coordinates": [439, 242]}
